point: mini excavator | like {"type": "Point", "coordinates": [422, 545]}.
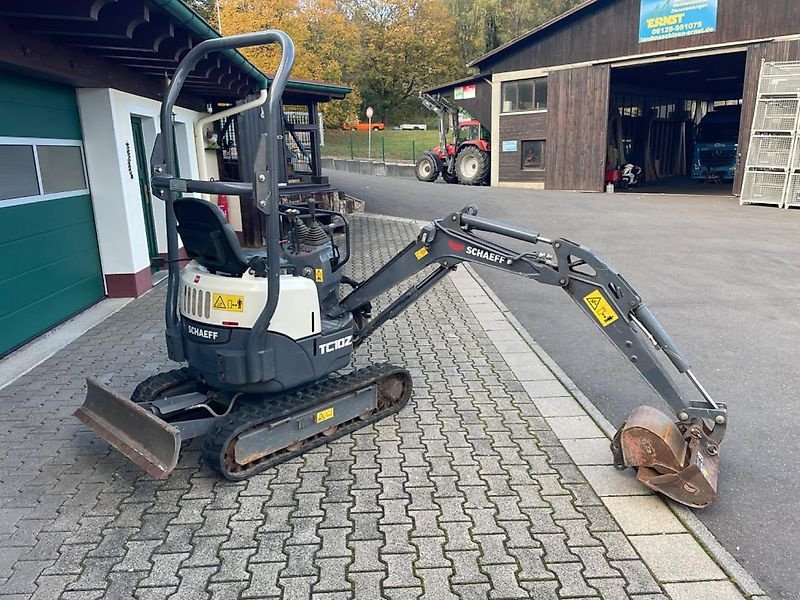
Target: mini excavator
{"type": "Point", "coordinates": [265, 335]}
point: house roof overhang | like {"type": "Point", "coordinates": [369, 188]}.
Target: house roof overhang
{"type": "Point", "coordinates": [138, 40]}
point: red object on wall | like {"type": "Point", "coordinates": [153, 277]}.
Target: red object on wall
{"type": "Point", "coordinates": [613, 176]}
{"type": "Point", "coordinates": [222, 202]}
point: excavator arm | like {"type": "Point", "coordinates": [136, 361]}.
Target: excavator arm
{"type": "Point", "coordinates": [679, 459]}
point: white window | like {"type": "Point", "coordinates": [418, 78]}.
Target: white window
{"type": "Point", "coordinates": [525, 95]}
{"type": "Point", "coordinates": [34, 169]}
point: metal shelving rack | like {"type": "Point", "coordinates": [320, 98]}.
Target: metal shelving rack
{"type": "Point", "coordinates": [772, 173]}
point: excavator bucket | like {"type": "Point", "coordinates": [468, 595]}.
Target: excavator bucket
{"type": "Point", "coordinates": [145, 439]}
{"type": "Point", "coordinates": [668, 461]}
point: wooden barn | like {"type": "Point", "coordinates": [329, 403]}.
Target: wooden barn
{"type": "Point", "coordinates": [613, 82]}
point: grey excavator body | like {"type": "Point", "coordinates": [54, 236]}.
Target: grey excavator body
{"type": "Point", "coordinates": [264, 336]}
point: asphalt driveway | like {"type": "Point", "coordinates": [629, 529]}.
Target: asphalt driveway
{"type": "Point", "coordinates": [725, 282]}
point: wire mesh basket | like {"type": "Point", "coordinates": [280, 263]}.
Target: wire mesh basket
{"type": "Point", "coordinates": [796, 152]}
{"type": "Point", "coordinates": [793, 194]}
{"type": "Point", "coordinates": [776, 114]}
{"type": "Point", "coordinates": [770, 151]}
{"type": "Point", "coordinates": [763, 187]}
{"type": "Point", "coordinates": [780, 78]}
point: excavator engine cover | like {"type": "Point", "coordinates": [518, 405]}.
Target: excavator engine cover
{"type": "Point", "coordinates": [670, 462]}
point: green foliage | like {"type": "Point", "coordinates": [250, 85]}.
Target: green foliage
{"type": "Point", "coordinates": [394, 145]}
{"type": "Point", "coordinates": [338, 112]}
{"type": "Point", "coordinates": [401, 51]}
{"type": "Point", "coordinates": [386, 50]}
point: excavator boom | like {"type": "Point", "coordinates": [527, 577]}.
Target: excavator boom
{"type": "Point", "coordinates": [679, 459]}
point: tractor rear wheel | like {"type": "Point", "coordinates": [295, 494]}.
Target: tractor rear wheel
{"type": "Point", "coordinates": [472, 166]}
{"type": "Point", "coordinates": [427, 170]}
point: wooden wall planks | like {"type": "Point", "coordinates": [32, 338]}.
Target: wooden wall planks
{"type": "Point", "coordinates": [610, 29]}
{"type": "Point", "coordinates": [577, 128]}
{"type": "Point", "coordinates": [520, 128]}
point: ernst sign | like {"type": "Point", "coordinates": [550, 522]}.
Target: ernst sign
{"type": "Point", "coordinates": [664, 19]}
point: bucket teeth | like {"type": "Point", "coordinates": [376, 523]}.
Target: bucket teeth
{"type": "Point", "coordinates": [668, 460]}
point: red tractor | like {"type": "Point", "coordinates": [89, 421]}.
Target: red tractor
{"type": "Point", "coordinates": [467, 159]}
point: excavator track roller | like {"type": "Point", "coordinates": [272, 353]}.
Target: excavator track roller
{"type": "Point", "coordinates": [670, 458]}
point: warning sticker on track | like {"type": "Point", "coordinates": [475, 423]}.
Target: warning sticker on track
{"type": "Point", "coordinates": [228, 302]}
{"type": "Point", "coordinates": [323, 415]}
{"type": "Point", "coordinates": [600, 308]}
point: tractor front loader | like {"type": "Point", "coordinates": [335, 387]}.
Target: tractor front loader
{"type": "Point", "coordinates": [467, 159]}
{"type": "Point", "coordinates": [264, 336]}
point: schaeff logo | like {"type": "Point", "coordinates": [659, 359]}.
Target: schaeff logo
{"type": "Point", "coordinates": [203, 333]}
{"type": "Point", "coordinates": [335, 345]}
{"type": "Point", "coordinates": [490, 256]}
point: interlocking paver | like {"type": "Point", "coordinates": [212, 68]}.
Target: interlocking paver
{"type": "Point", "coordinates": [467, 493]}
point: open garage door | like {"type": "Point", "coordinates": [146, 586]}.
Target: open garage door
{"type": "Point", "coordinates": [676, 123]}
{"type": "Point", "coordinates": [48, 245]}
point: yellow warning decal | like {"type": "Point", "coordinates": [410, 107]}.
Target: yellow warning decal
{"type": "Point", "coordinates": [601, 308]}
{"type": "Point", "coordinates": [228, 302]}
{"type": "Point", "coordinates": [324, 415]}
{"type": "Point", "coordinates": [421, 253]}
{"type": "Point", "coordinates": [319, 275]}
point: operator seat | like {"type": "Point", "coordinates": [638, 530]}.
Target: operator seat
{"type": "Point", "coordinates": [210, 240]}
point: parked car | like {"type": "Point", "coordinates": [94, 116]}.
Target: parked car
{"type": "Point", "coordinates": [414, 126]}
{"type": "Point", "coordinates": [363, 126]}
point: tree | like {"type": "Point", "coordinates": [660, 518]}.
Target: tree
{"type": "Point", "coordinates": [205, 8]}
{"type": "Point", "coordinates": [326, 42]}
{"type": "Point", "coordinates": [386, 50]}
{"type": "Point", "coordinates": [405, 46]}
{"type": "Point", "coordinates": [483, 25]}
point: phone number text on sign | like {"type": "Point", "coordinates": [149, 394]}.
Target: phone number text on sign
{"type": "Point", "coordinates": [664, 19]}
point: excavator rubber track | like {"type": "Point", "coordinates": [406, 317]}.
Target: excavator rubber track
{"type": "Point", "coordinates": [391, 385]}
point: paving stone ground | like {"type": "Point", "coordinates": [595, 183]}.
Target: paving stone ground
{"type": "Point", "coordinates": [467, 493]}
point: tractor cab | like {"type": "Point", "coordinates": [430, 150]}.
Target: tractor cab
{"type": "Point", "coordinates": [471, 131]}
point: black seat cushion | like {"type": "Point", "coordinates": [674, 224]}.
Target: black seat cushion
{"type": "Point", "coordinates": [208, 238]}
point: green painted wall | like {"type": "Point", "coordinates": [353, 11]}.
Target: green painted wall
{"type": "Point", "coordinates": [51, 266]}
{"type": "Point", "coordinates": [35, 108]}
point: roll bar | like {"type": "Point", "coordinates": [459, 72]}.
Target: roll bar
{"type": "Point", "coordinates": [264, 187]}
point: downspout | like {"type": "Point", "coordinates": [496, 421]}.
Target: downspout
{"type": "Point", "coordinates": [199, 144]}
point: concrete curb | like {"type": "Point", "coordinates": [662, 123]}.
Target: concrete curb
{"type": "Point", "coordinates": [369, 167]}
{"type": "Point", "coordinates": [703, 536]}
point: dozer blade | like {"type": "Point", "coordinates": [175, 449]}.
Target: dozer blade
{"type": "Point", "coordinates": [668, 461]}
{"type": "Point", "coordinates": [145, 439]}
